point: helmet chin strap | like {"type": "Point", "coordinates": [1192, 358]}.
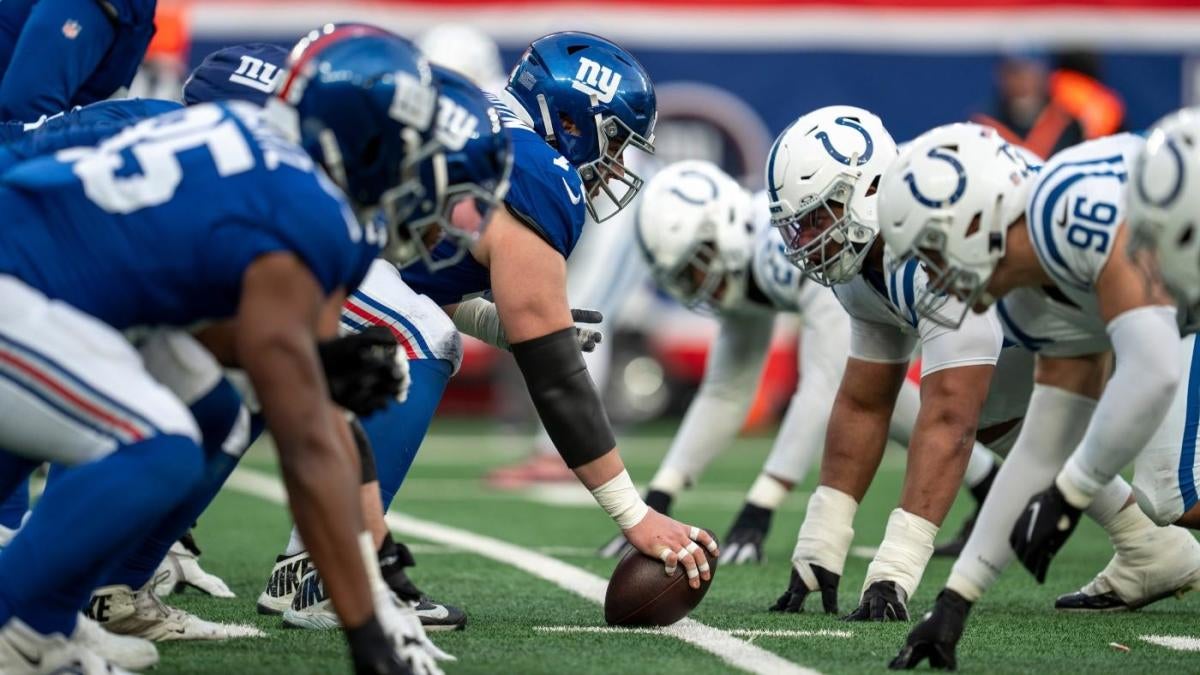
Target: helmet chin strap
{"type": "Point", "coordinates": [332, 155]}
{"type": "Point", "coordinates": [547, 121]}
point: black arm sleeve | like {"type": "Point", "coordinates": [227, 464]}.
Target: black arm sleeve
{"type": "Point", "coordinates": [565, 397]}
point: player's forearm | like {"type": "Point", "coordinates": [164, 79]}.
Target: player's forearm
{"type": "Point", "coordinates": [937, 458]}
{"type": "Point", "coordinates": [1134, 403]}
{"type": "Point", "coordinates": [854, 444]}
{"type": "Point", "coordinates": [320, 474]}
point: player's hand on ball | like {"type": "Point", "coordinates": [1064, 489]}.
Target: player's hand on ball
{"type": "Point", "coordinates": [675, 544]}
{"type": "Point", "coordinates": [807, 578]}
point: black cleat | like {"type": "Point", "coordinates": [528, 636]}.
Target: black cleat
{"type": "Point", "coordinates": [394, 557]}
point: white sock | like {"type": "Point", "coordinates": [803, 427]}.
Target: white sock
{"type": "Point", "coordinates": [767, 493]}
{"type": "Point", "coordinates": [827, 530]}
{"type": "Point", "coordinates": [669, 481]}
{"type": "Point", "coordinates": [979, 466]}
{"type": "Point", "coordinates": [295, 544]}
{"type": "Point", "coordinates": [905, 551]}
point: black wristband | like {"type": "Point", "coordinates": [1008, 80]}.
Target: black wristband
{"type": "Point", "coordinates": [565, 397]}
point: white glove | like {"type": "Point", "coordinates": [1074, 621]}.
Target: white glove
{"type": "Point", "coordinates": [401, 622]}
{"type": "Point", "coordinates": [480, 319]}
{"type": "Point", "coordinates": [405, 373]}
{"type": "Point", "coordinates": [182, 566]}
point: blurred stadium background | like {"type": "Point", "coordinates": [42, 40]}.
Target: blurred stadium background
{"type": "Point", "coordinates": [733, 74]}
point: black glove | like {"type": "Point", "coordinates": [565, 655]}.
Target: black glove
{"type": "Point", "coordinates": [882, 601]}
{"type": "Point", "coordinates": [744, 543]}
{"type": "Point", "coordinates": [937, 636]}
{"type": "Point", "coordinates": [588, 338]}
{"type": "Point", "coordinates": [792, 600]}
{"type": "Point", "coordinates": [364, 370]}
{"type": "Point", "coordinates": [372, 652]}
{"type": "Point", "coordinates": [1042, 530]}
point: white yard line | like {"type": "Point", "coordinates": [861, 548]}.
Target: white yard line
{"type": "Point", "coordinates": [741, 632]}
{"type": "Point", "coordinates": [1180, 643]}
{"type": "Point", "coordinates": [736, 652]}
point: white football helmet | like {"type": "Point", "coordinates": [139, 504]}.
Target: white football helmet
{"type": "Point", "coordinates": [827, 161]}
{"type": "Point", "coordinates": [1164, 204]}
{"type": "Point", "coordinates": [694, 230]}
{"type": "Point", "coordinates": [948, 200]}
{"type": "Point", "coordinates": [464, 49]}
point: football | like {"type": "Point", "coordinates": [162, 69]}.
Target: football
{"type": "Point", "coordinates": [640, 594]}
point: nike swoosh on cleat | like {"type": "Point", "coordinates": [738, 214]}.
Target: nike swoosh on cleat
{"type": "Point", "coordinates": [34, 660]}
{"type": "Point", "coordinates": [438, 612]}
{"type": "Point", "coordinates": [1035, 508]}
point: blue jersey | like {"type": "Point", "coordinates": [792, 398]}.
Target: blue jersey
{"type": "Point", "coordinates": [69, 52]}
{"type": "Point", "coordinates": [545, 193]}
{"type": "Point", "coordinates": [84, 125]}
{"type": "Point", "coordinates": [158, 224]}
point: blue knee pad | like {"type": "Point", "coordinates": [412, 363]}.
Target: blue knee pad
{"type": "Point", "coordinates": [88, 517]}
{"type": "Point", "coordinates": [396, 432]}
{"type": "Point", "coordinates": [225, 428]}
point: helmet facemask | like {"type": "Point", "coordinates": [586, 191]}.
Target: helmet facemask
{"type": "Point", "coordinates": [609, 174]}
{"type": "Point", "coordinates": [836, 252]}
{"type": "Point", "coordinates": [950, 278]}
{"type": "Point", "coordinates": [701, 281]}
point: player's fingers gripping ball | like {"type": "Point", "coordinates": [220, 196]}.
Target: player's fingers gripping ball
{"type": "Point", "coordinates": [640, 594]}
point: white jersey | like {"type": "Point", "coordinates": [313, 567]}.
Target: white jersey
{"type": "Point", "coordinates": [886, 328]}
{"type": "Point", "coordinates": [422, 328]}
{"type": "Point", "coordinates": [1076, 206]}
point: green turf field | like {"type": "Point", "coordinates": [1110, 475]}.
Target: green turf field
{"type": "Point", "coordinates": [1013, 630]}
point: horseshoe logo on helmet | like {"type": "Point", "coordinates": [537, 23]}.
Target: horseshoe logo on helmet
{"type": "Point", "coordinates": [703, 178]}
{"type": "Point", "coordinates": [851, 123]}
{"type": "Point", "coordinates": [959, 188]}
{"type": "Point", "coordinates": [1173, 193]}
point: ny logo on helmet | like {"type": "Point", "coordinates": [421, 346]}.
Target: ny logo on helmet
{"type": "Point", "coordinates": [596, 80]}
{"type": "Point", "coordinates": [413, 101]}
{"type": "Point", "coordinates": [455, 124]}
{"type": "Point", "coordinates": [256, 74]}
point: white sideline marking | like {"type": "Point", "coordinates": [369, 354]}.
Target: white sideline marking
{"type": "Point", "coordinates": [742, 632]}
{"type": "Point", "coordinates": [737, 653]}
{"type": "Point", "coordinates": [1179, 643]}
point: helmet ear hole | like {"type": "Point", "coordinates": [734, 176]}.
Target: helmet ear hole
{"type": "Point", "coordinates": [874, 185]}
{"type": "Point", "coordinates": [976, 224]}
{"type": "Point", "coordinates": [568, 124]}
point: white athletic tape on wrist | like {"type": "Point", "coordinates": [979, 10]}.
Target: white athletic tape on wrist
{"type": "Point", "coordinates": [621, 501]}
{"type": "Point", "coordinates": [767, 492]}
{"type": "Point", "coordinates": [905, 551]}
{"type": "Point", "coordinates": [827, 530]}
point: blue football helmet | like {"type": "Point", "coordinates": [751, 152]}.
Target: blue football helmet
{"type": "Point", "coordinates": [591, 100]}
{"type": "Point", "coordinates": [468, 173]}
{"type": "Point", "coordinates": [364, 101]}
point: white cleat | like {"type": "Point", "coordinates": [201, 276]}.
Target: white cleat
{"type": "Point", "coordinates": [285, 579]}
{"type": "Point", "coordinates": [1165, 563]}
{"type": "Point", "coordinates": [126, 651]}
{"type": "Point", "coordinates": [311, 607]}
{"type": "Point", "coordinates": [24, 651]}
{"type": "Point", "coordinates": [181, 568]}
{"type": "Point", "coordinates": [141, 613]}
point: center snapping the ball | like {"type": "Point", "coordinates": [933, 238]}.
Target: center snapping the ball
{"type": "Point", "coordinates": [641, 594]}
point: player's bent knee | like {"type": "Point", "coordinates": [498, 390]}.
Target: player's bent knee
{"type": "Point", "coordinates": [1162, 507]}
